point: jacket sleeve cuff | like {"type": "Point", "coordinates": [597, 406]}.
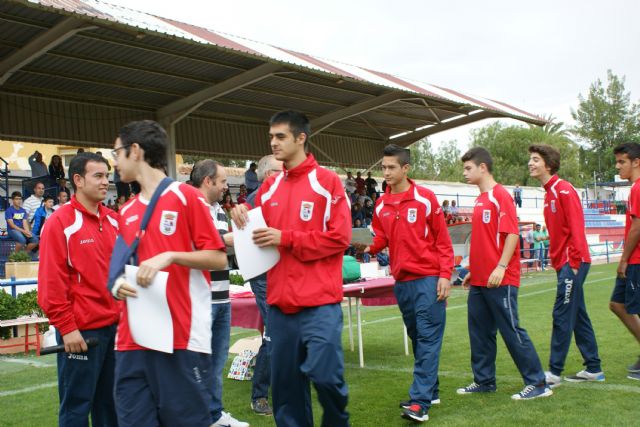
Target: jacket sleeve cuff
{"type": "Point", "coordinates": [445, 275]}
{"type": "Point", "coordinates": [66, 327]}
{"type": "Point", "coordinates": [286, 238]}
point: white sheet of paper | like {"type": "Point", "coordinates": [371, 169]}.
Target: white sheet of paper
{"type": "Point", "coordinates": [149, 316]}
{"type": "Point", "coordinates": [252, 260]}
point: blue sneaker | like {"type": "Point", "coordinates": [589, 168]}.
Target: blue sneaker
{"type": "Point", "coordinates": [533, 392]}
{"type": "Point", "coordinates": [584, 376]}
{"type": "Point", "coordinates": [476, 388]}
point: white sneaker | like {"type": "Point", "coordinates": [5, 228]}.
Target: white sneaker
{"type": "Point", "coordinates": [584, 376]}
{"type": "Point", "coordinates": [226, 420]}
{"type": "Point", "coordinates": [552, 380]}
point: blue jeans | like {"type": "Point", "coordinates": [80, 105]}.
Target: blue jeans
{"type": "Point", "coordinates": [540, 252]}
{"type": "Point", "coordinates": [220, 334]}
{"type": "Point", "coordinates": [262, 370]}
{"type": "Point", "coordinates": [425, 318]}
{"type": "Point", "coordinates": [21, 238]}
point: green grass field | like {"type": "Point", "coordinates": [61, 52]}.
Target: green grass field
{"type": "Point", "coordinates": [28, 393]}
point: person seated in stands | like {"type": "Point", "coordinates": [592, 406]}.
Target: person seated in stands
{"type": "Point", "coordinates": [63, 198]}
{"type": "Point", "coordinates": [362, 197]}
{"type": "Point", "coordinates": [227, 202]}
{"type": "Point", "coordinates": [62, 186]}
{"type": "Point", "coordinates": [17, 224]}
{"type": "Point", "coordinates": [462, 269]}
{"type": "Point", "coordinates": [383, 257]}
{"type": "Point", "coordinates": [371, 184]}
{"type": "Point", "coordinates": [34, 201]}
{"type": "Point", "coordinates": [454, 209]}
{"type": "Point", "coordinates": [242, 196]}
{"type": "Point", "coordinates": [368, 212]}
{"type": "Point", "coordinates": [42, 214]}
{"type": "Point", "coordinates": [357, 214]}
{"type": "Point", "coordinates": [446, 209]}
{"type": "Point", "coordinates": [358, 223]}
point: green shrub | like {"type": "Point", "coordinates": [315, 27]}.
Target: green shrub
{"type": "Point", "coordinates": [19, 256]}
{"type": "Point", "coordinates": [8, 310]}
{"type": "Point", "coordinates": [28, 304]}
{"type": "Point", "coordinates": [236, 279]}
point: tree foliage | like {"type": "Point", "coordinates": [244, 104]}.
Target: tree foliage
{"type": "Point", "coordinates": [441, 165]}
{"type": "Point", "coordinates": [605, 118]}
{"type": "Point", "coordinates": [509, 147]}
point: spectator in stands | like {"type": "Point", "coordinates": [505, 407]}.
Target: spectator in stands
{"type": "Point", "coordinates": [17, 224]}
{"type": "Point", "coordinates": [251, 178]}
{"type": "Point", "coordinates": [121, 200]}
{"type": "Point", "coordinates": [545, 242]}
{"type": "Point", "coordinates": [227, 202]}
{"type": "Point", "coordinates": [538, 245]}
{"type": "Point", "coordinates": [521, 238]}
{"type": "Point", "coordinates": [357, 213]}
{"type": "Point", "coordinates": [358, 223]}
{"type": "Point", "coordinates": [371, 184]}
{"type": "Point", "coordinates": [530, 241]}
{"type": "Point", "coordinates": [360, 184]}
{"type": "Point", "coordinates": [242, 196]}
{"type": "Point", "coordinates": [99, 153]}
{"type": "Point", "coordinates": [368, 212]}
{"type": "Point", "coordinates": [445, 208]}
{"type": "Point", "coordinates": [38, 167]}
{"type": "Point", "coordinates": [517, 196]}
{"type": "Point", "coordinates": [62, 186]}
{"type": "Point", "coordinates": [34, 201]}
{"type": "Point", "coordinates": [454, 210]}
{"type": "Point", "coordinates": [350, 185]}
{"type": "Point", "coordinates": [42, 214]}
{"type": "Point", "coordinates": [80, 151]}
{"type": "Point", "coordinates": [56, 169]}
{"type": "Point", "coordinates": [384, 186]}
{"type": "Point", "coordinates": [383, 257]}
{"type": "Point", "coordinates": [63, 198]}
{"type": "Point", "coordinates": [362, 197]}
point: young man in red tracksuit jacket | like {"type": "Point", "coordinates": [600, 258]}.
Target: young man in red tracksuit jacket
{"type": "Point", "coordinates": [75, 250]}
{"type": "Point", "coordinates": [409, 220]}
{"type": "Point", "coordinates": [309, 221]}
{"type": "Point", "coordinates": [494, 276]}
{"type": "Point", "coordinates": [570, 258]}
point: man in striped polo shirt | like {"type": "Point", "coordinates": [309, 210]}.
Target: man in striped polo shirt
{"type": "Point", "coordinates": [210, 178]}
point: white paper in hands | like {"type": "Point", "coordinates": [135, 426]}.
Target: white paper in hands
{"type": "Point", "coordinates": [148, 314]}
{"type": "Point", "coordinates": [253, 260]}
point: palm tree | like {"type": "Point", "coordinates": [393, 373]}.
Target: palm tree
{"type": "Point", "coordinates": [553, 126]}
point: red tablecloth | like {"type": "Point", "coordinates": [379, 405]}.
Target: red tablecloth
{"type": "Point", "coordinates": [374, 292]}
{"type": "Point", "coordinates": [245, 313]}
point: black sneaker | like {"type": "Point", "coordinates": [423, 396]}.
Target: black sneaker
{"type": "Point", "coordinates": [406, 403]}
{"type": "Point", "coordinates": [635, 368]}
{"type": "Point", "coordinates": [415, 413]}
{"type": "Point", "coordinates": [261, 407]}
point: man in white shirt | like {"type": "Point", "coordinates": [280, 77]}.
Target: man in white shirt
{"type": "Point", "coordinates": [34, 201]}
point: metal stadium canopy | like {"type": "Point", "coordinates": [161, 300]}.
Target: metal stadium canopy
{"type": "Point", "coordinates": [73, 72]}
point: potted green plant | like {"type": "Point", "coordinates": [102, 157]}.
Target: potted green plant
{"type": "Point", "coordinates": [20, 266]}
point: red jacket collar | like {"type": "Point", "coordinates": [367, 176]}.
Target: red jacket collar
{"type": "Point", "coordinates": [550, 183]}
{"type": "Point", "coordinates": [409, 194]}
{"type": "Point", "coordinates": [303, 168]}
{"type": "Point", "coordinates": [102, 210]}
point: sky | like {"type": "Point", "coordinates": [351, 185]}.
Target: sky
{"type": "Point", "coordinates": [538, 56]}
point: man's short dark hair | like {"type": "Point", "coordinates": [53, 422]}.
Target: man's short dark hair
{"type": "Point", "coordinates": [479, 155]}
{"type": "Point", "coordinates": [78, 165]}
{"type": "Point", "coordinates": [631, 149]}
{"type": "Point", "coordinates": [16, 194]}
{"type": "Point", "coordinates": [549, 154]}
{"type": "Point", "coordinates": [35, 184]}
{"type": "Point", "coordinates": [151, 137]}
{"type": "Point", "coordinates": [402, 154]}
{"type": "Point", "coordinates": [201, 170]}
{"type": "Point", "coordinates": [297, 121]}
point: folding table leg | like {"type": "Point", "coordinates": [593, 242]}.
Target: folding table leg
{"type": "Point", "coordinates": [359, 317]}
{"type": "Point", "coordinates": [350, 324]}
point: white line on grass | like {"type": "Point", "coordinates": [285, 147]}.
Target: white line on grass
{"type": "Point", "coordinates": [455, 307]}
{"type": "Point", "coordinates": [27, 389]}
{"type": "Point", "coordinates": [505, 378]}
{"type": "Point", "coordinates": [35, 363]}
